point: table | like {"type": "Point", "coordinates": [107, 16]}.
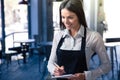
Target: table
{"type": "Point", "coordinates": [24, 46]}
{"type": "Point", "coordinates": [25, 41]}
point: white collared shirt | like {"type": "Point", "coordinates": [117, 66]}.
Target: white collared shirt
{"type": "Point", "coordinates": [94, 43]}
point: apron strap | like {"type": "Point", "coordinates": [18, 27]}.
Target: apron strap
{"type": "Point", "coordinates": [83, 41]}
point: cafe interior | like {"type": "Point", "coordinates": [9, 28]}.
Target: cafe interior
{"type": "Point", "coordinates": [27, 28]}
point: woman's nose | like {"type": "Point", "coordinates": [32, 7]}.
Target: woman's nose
{"type": "Point", "coordinates": [66, 21]}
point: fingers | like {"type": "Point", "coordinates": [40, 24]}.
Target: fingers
{"type": "Point", "coordinates": [59, 71]}
{"type": "Point", "coordinates": [77, 76]}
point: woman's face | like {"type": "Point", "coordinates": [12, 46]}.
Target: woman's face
{"type": "Point", "coordinates": [69, 19]}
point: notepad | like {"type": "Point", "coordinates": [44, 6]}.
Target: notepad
{"type": "Point", "coordinates": [63, 76]}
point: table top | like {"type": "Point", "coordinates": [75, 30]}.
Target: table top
{"type": "Point", "coordinates": [25, 41]}
{"type": "Point", "coordinates": [112, 44]}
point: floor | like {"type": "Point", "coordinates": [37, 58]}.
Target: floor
{"type": "Point", "coordinates": [32, 70]}
{"type": "Point", "coordinates": [35, 69]}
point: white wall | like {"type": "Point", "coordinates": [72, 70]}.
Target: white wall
{"type": "Point", "coordinates": [90, 7]}
{"type": "Point", "coordinates": [112, 17]}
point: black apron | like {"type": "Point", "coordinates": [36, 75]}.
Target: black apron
{"type": "Point", "coordinates": [74, 61]}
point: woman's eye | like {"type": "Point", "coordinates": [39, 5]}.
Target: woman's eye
{"type": "Point", "coordinates": [67, 17]}
{"type": "Point", "coordinates": [70, 17]}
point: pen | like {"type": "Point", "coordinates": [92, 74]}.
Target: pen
{"type": "Point", "coordinates": [56, 65]}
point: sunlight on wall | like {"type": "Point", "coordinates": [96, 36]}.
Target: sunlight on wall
{"type": "Point", "coordinates": [111, 8]}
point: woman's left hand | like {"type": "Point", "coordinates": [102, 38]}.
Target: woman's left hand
{"type": "Point", "coordinates": [77, 76]}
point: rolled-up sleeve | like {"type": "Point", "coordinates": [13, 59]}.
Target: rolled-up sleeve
{"type": "Point", "coordinates": [53, 57]}
{"type": "Point", "coordinates": [97, 46]}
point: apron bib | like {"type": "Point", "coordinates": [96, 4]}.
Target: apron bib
{"type": "Point", "coordinates": [74, 61]}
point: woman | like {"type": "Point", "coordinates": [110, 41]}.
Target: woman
{"type": "Point", "coordinates": [75, 44]}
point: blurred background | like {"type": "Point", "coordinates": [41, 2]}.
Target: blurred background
{"type": "Point", "coordinates": [24, 19]}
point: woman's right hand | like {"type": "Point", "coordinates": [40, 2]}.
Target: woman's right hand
{"type": "Point", "coordinates": [59, 71]}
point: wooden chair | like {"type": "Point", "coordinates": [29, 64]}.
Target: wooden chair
{"type": "Point", "coordinates": [36, 48]}
{"type": "Point", "coordinates": [21, 50]}
{"type": "Point", "coordinates": [8, 56]}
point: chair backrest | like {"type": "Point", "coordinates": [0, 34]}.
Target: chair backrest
{"type": "Point", "coordinates": [112, 40]}
{"type": "Point", "coordinates": [37, 40]}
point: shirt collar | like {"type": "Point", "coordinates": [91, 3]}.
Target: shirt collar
{"type": "Point", "coordinates": [80, 32]}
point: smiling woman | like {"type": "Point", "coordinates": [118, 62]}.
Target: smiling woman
{"type": "Point", "coordinates": [74, 45]}
{"type": "Point", "coordinates": [70, 21]}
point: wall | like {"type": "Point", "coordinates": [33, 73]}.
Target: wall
{"type": "Point", "coordinates": [91, 7]}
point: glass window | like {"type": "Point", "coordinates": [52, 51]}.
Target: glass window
{"type": "Point", "coordinates": [16, 22]}
{"type": "Point", "coordinates": [0, 25]}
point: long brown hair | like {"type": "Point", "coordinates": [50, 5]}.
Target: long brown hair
{"type": "Point", "coordinates": [75, 6]}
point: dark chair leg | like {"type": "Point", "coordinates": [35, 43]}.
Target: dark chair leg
{"type": "Point", "coordinates": [119, 73]}
{"type": "Point", "coordinates": [117, 64]}
{"type": "Point", "coordinates": [8, 59]}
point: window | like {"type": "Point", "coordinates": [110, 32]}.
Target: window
{"type": "Point", "coordinates": [0, 26]}
{"type": "Point", "coordinates": [15, 22]}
